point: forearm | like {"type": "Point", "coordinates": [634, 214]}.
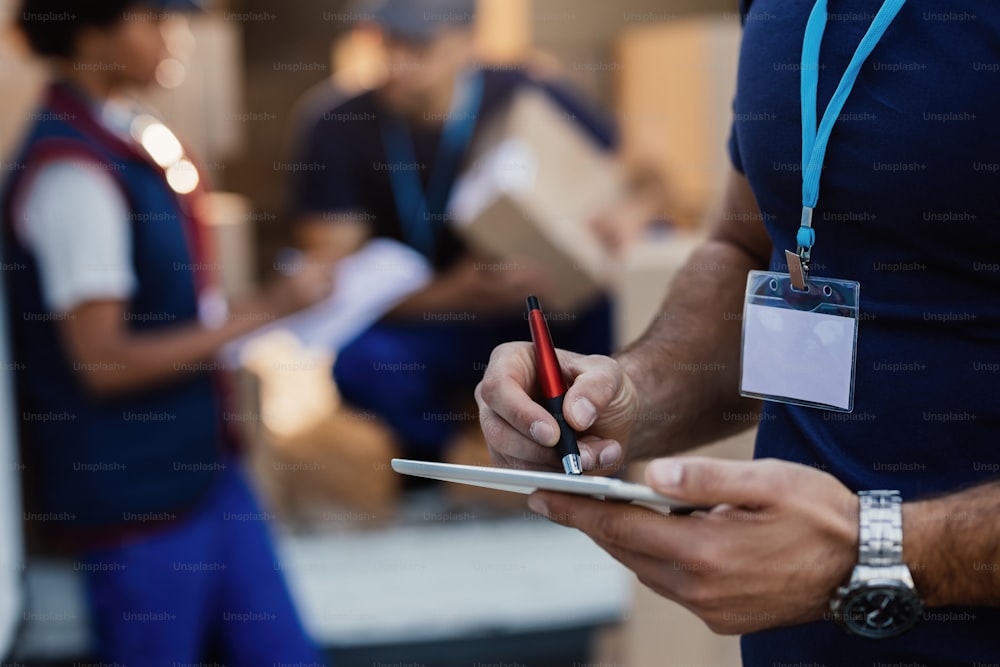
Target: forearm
{"type": "Point", "coordinates": [952, 546]}
{"type": "Point", "coordinates": [468, 290]}
{"type": "Point", "coordinates": [686, 366]}
{"type": "Point", "coordinates": [439, 296]}
{"type": "Point", "coordinates": [123, 361]}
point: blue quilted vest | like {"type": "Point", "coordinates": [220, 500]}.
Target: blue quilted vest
{"type": "Point", "coordinates": [106, 467]}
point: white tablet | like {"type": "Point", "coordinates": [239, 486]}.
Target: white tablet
{"type": "Point", "coordinates": [528, 481]}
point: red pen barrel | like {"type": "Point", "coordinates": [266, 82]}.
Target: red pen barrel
{"type": "Point", "coordinates": [550, 377]}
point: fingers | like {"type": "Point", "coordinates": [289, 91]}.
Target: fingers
{"type": "Point", "coordinates": [505, 284]}
{"type": "Point", "coordinates": [601, 455]}
{"type": "Point", "coordinates": [666, 554]}
{"type": "Point", "coordinates": [597, 382]}
{"type": "Point", "coordinates": [507, 413]}
{"type": "Point", "coordinates": [510, 449]}
{"type": "Point", "coordinates": [709, 482]}
{"type": "Point", "coordinates": [505, 387]}
{"type": "Point", "coordinates": [622, 525]}
{"type": "Point", "coordinates": [513, 423]}
{"type": "Point", "coordinates": [672, 580]}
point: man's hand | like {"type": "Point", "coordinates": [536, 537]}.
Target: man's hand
{"type": "Point", "coordinates": [473, 286]}
{"type": "Point", "coordinates": [497, 286]}
{"type": "Point", "coordinates": [601, 405]}
{"type": "Point", "coordinates": [780, 539]}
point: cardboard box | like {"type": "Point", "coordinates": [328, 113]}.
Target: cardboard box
{"type": "Point", "coordinates": [534, 181]}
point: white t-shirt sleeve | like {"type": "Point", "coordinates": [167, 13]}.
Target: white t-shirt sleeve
{"type": "Point", "coordinates": [75, 220]}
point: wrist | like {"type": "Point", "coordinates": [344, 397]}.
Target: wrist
{"type": "Point", "coordinates": [880, 600]}
{"type": "Point", "coordinates": [917, 536]}
{"type": "Point", "coordinates": [651, 394]}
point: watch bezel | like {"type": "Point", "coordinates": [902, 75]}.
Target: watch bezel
{"type": "Point", "coordinates": [902, 591]}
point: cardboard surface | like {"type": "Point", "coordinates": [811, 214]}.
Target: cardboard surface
{"type": "Point", "coordinates": [674, 96]}
{"type": "Point", "coordinates": [534, 182]}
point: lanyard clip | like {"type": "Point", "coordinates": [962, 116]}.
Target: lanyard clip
{"type": "Point", "coordinates": [798, 262]}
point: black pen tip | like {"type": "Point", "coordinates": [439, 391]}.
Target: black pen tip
{"type": "Point", "coordinates": [533, 303]}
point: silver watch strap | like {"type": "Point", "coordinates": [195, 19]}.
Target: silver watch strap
{"type": "Point", "coordinates": [880, 541]}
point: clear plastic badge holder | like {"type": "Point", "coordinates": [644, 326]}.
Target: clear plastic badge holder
{"type": "Point", "coordinates": [799, 347]}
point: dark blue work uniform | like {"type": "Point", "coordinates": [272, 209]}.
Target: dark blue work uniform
{"type": "Point", "coordinates": [910, 207]}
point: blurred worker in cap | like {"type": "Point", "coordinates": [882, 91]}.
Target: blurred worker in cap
{"type": "Point", "coordinates": [389, 158]}
{"type": "Point", "coordinates": [117, 316]}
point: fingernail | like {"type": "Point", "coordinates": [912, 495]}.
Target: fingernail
{"type": "Point", "coordinates": [543, 434]}
{"type": "Point", "coordinates": [610, 455]}
{"type": "Point", "coordinates": [584, 413]}
{"type": "Point", "coordinates": [537, 505]}
{"type": "Point", "coordinates": [666, 473]}
{"type": "Point", "coordinates": [586, 458]}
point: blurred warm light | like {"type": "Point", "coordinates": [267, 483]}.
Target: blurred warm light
{"type": "Point", "coordinates": [182, 176]}
{"type": "Point", "coordinates": [166, 150]}
{"type": "Point", "coordinates": [180, 43]}
{"type": "Point", "coordinates": [297, 392]}
{"type": "Point", "coordinates": [162, 144]}
{"type": "Point", "coordinates": [171, 73]}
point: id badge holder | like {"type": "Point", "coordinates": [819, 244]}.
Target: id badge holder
{"type": "Point", "coordinates": [800, 346]}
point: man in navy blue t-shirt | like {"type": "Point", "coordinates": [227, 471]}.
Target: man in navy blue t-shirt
{"type": "Point", "coordinates": [382, 164]}
{"type": "Point", "coordinates": [875, 539]}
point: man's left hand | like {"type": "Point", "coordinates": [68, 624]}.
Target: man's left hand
{"type": "Point", "coordinates": [779, 539]}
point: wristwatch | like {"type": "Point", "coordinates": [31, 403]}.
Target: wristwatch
{"type": "Point", "coordinates": [880, 600]}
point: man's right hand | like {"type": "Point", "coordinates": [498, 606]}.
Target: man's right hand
{"type": "Point", "coordinates": [495, 287]}
{"type": "Point", "coordinates": [478, 287]}
{"type": "Point", "coordinates": [601, 404]}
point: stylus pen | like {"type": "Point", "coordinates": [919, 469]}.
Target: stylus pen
{"type": "Point", "coordinates": [553, 387]}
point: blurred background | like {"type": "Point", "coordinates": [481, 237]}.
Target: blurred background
{"type": "Point", "coordinates": [382, 572]}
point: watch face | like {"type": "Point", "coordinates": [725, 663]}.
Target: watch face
{"type": "Point", "coordinates": [880, 610]}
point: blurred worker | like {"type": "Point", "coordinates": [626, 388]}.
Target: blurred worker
{"type": "Point", "coordinates": [383, 164]}
{"type": "Point", "coordinates": [116, 318]}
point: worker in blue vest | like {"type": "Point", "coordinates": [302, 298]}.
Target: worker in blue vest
{"type": "Point", "coordinates": [117, 316]}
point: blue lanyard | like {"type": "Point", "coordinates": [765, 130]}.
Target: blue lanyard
{"type": "Point", "coordinates": [814, 141]}
{"type": "Point", "coordinates": [420, 211]}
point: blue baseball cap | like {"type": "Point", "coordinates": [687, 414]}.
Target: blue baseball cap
{"type": "Point", "coordinates": [422, 20]}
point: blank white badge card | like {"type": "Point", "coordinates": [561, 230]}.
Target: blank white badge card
{"type": "Point", "coordinates": [799, 347]}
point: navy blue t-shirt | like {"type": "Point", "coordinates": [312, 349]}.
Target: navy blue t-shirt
{"type": "Point", "coordinates": [343, 149]}
{"type": "Point", "coordinates": [909, 206]}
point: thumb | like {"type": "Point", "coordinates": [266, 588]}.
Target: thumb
{"type": "Point", "coordinates": [710, 482]}
{"type": "Point", "coordinates": [599, 386]}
